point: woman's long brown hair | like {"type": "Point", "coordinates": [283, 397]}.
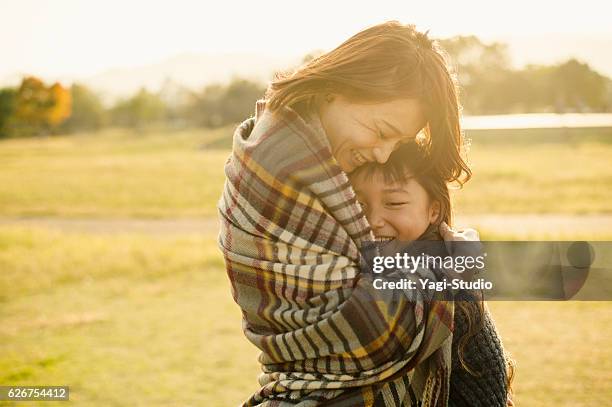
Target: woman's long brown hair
{"type": "Point", "coordinates": [386, 62]}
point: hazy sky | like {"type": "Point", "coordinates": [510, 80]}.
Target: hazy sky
{"type": "Point", "coordinates": [84, 37]}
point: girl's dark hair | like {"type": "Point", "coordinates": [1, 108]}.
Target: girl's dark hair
{"type": "Point", "coordinates": [386, 62]}
{"type": "Point", "coordinates": [411, 160]}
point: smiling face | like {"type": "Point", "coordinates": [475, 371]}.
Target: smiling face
{"type": "Point", "coordinates": [396, 210]}
{"type": "Point", "coordinates": [360, 133]}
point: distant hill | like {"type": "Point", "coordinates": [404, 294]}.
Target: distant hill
{"type": "Point", "coordinates": [192, 71]}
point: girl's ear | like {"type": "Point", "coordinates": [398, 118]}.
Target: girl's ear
{"type": "Point", "coordinates": [434, 212]}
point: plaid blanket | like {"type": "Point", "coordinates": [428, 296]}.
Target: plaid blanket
{"type": "Point", "coordinates": [291, 233]}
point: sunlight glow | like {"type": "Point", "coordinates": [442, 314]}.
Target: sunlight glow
{"type": "Point", "coordinates": [81, 38]}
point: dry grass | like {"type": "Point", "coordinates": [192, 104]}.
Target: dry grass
{"type": "Point", "coordinates": [129, 318]}
{"type": "Point", "coordinates": [170, 175]}
{"type": "Point", "coordinates": [142, 320]}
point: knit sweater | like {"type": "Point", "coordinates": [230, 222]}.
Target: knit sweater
{"type": "Point", "coordinates": [483, 354]}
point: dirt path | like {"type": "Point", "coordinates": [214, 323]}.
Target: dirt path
{"type": "Point", "coordinates": [515, 224]}
{"type": "Point", "coordinates": [526, 224]}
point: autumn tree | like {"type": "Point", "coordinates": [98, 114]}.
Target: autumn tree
{"type": "Point", "coordinates": [40, 109]}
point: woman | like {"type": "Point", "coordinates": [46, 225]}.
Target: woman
{"type": "Point", "coordinates": [291, 228]}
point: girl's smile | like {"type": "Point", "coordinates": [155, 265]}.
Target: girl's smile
{"type": "Point", "coordinates": [400, 211]}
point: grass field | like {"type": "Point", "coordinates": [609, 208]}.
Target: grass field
{"type": "Point", "coordinates": [147, 319]}
{"type": "Point", "coordinates": [124, 320]}
{"type": "Point", "coordinates": [135, 320]}
{"type": "Point", "coordinates": [118, 174]}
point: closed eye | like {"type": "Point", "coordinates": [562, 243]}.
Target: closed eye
{"type": "Point", "coordinates": [382, 136]}
{"type": "Point", "coordinates": [392, 204]}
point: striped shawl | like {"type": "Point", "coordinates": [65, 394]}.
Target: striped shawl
{"type": "Point", "coordinates": [291, 233]}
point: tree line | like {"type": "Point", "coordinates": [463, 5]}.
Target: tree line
{"type": "Point", "coordinates": [35, 108]}
{"type": "Point", "coordinates": [488, 85]}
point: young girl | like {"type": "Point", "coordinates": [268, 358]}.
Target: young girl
{"type": "Point", "coordinates": [406, 199]}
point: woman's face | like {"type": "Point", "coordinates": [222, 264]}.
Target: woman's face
{"type": "Point", "coordinates": [360, 133]}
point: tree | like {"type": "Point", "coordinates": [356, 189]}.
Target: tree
{"type": "Point", "coordinates": [40, 109]}
{"type": "Point", "coordinates": [219, 105]}
{"type": "Point", "coordinates": [142, 109]}
{"type": "Point", "coordinates": [239, 100]}
{"type": "Point", "coordinates": [578, 88]}
{"type": "Point", "coordinates": [482, 69]}
{"type": "Point", "coordinates": [87, 110]}
{"type": "Point", "coordinates": [489, 85]}
{"type": "Point", "coordinates": [7, 108]}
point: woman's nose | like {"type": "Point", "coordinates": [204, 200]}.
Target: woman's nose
{"type": "Point", "coordinates": [381, 153]}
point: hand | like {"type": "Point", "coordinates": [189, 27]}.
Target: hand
{"type": "Point", "coordinates": [466, 235]}
{"type": "Point", "coordinates": [474, 249]}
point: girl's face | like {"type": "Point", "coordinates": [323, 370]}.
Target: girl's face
{"type": "Point", "coordinates": [400, 210]}
{"type": "Point", "coordinates": [360, 133]}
